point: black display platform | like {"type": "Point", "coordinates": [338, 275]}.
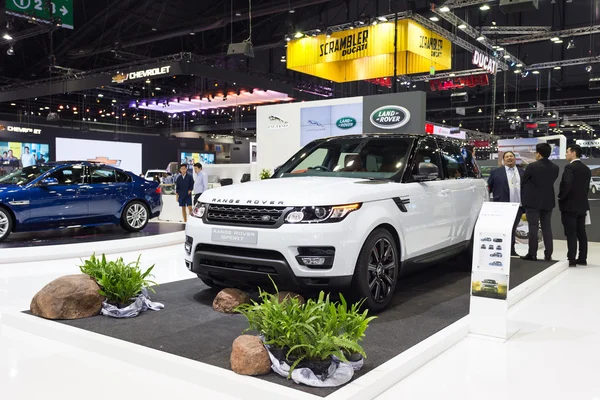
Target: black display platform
{"type": "Point", "coordinates": [424, 304]}
{"type": "Point", "coordinates": [85, 235]}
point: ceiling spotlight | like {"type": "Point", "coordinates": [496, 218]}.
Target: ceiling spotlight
{"type": "Point", "coordinates": [298, 35]}
{"type": "Point", "coordinates": [517, 71]}
{"type": "Point", "coordinates": [7, 37]}
{"type": "Point", "coordinates": [525, 74]}
{"type": "Point", "coordinates": [287, 38]}
{"type": "Point", "coordinates": [519, 65]}
{"type": "Point", "coordinates": [506, 56]}
{"type": "Point", "coordinates": [10, 51]}
{"type": "Point", "coordinates": [382, 19]}
{"type": "Point", "coordinates": [434, 18]}
{"type": "Point", "coordinates": [292, 11]}
{"type": "Point", "coordinates": [554, 39]}
{"type": "Point", "coordinates": [484, 7]}
{"type": "Point", "coordinates": [588, 68]}
{"type": "Point", "coordinates": [480, 111]}
{"type": "Point", "coordinates": [462, 26]}
{"type": "Point", "coordinates": [558, 67]}
{"type": "Point", "coordinates": [558, 41]}
{"type": "Point", "coordinates": [445, 9]}
{"type": "Point", "coordinates": [571, 44]}
{"type": "Point", "coordinates": [481, 38]}
{"type": "Point", "coordinates": [536, 72]}
{"type": "Point", "coordinates": [328, 33]}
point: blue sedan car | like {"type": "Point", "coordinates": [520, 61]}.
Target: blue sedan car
{"type": "Point", "coordinates": [74, 194]}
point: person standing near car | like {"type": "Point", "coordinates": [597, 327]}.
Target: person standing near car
{"type": "Point", "coordinates": [183, 189]}
{"type": "Point", "coordinates": [200, 182]}
{"type": "Point", "coordinates": [574, 205]}
{"type": "Point", "coordinates": [505, 186]}
{"type": "Point", "coordinates": [539, 199]}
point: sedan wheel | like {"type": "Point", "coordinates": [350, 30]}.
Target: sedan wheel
{"type": "Point", "coordinates": [135, 217]}
{"type": "Point", "coordinates": [5, 224]}
{"type": "Point", "coordinates": [377, 270]}
{"type": "Point", "coordinates": [594, 190]}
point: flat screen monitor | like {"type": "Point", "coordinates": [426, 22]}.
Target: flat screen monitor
{"type": "Point", "coordinates": [125, 155]}
{"type": "Point", "coordinates": [190, 158]}
{"type": "Point", "coordinates": [15, 155]}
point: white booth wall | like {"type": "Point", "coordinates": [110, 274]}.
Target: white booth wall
{"type": "Point", "coordinates": [275, 145]}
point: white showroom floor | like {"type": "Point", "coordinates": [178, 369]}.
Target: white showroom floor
{"type": "Point", "coordinates": [555, 355]}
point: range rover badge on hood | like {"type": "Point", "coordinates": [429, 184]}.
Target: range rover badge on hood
{"type": "Point", "coordinates": [249, 202]}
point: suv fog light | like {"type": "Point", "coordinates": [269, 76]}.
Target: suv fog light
{"type": "Point", "coordinates": [295, 217]}
{"type": "Point", "coordinates": [188, 244]}
{"type": "Point", "coordinates": [313, 261]}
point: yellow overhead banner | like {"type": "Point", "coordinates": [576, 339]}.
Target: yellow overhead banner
{"type": "Point", "coordinates": [368, 52]}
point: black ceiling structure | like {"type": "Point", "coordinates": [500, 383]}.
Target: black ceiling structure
{"type": "Point", "coordinates": [52, 66]}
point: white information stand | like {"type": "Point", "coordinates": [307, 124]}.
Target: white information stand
{"type": "Point", "coordinates": [491, 270]}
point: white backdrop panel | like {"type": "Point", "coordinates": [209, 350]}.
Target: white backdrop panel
{"type": "Point", "coordinates": [127, 156]}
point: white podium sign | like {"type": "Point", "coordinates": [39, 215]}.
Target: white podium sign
{"type": "Point", "coordinates": [491, 269]}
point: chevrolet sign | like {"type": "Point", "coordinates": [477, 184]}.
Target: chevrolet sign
{"type": "Point", "coordinates": [122, 77]}
{"type": "Point", "coordinates": [20, 130]}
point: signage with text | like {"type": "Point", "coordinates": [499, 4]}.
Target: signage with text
{"type": "Point", "coordinates": [588, 143]}
{"type": "Point", "coordinates": [120, 78]}
{"type": "Point", "coordinates": [56, 10]}
{"type": "Point", "coordinates": [484, 61]}
{"type": "Point", "coordinates": [18, 129]}
{"type": "Point", "coordinates": [368, 52]}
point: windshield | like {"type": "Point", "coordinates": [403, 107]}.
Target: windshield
{"type": "Point", "coordinates": [25, 175]}
{"type": "Point", "coordinates": [377, 157]}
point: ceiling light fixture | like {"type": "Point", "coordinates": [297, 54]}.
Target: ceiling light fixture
{"type": "Point", "coordinates": [571, 44]}
{"type": "Point", "coordinates": [462, 26]}
{"type": "Point", "coordinates": [588, 68]}
{"type": "Point", "coordinates": [558, 67]}
{"type": "Point", "coordinates": [554, 39]}
{"type": "Point", "coordinates": [10, 51]}
{"type": "Point", "coordinates": [434, 18]}
{"type": "Point", "coordinates": [484, 7]}
{"type": "Point", "coordinates": [382, 19]}
{"type": "Point", "coordinates": [519, 65]}
{"type": "Point", "coordinates": [445, 9]}
{"type": "Point", "coordinates": [298, 35]}
{"type": "Point", "coordinates": [7, 37]}
{"type": "Point", "coordinates": [536, 72]}
{"type": "Point", "coordinates": [238, 14]}
{"type": "Point", "coordinates": [558, 41]}
{"type": "Point", "coordinates": [481, 38]}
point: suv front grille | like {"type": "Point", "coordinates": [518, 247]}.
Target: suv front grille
{"type": "Point", "coordinates": [243, 215]}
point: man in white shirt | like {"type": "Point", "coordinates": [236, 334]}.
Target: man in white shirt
{"type": "Point", "coordinates": [505, 185]}
{"type": "Point", "coordinates": [27, 159]}
{"type": "Point", "coordinates": [200, 182]}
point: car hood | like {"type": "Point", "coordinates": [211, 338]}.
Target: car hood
{"type": "Point", "coordinates": [302, 191]}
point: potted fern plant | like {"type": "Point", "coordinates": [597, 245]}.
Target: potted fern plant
{"type": "Point", "coordinates": [352, 323]}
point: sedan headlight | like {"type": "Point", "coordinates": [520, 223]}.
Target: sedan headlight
{"type": "Point", "coordinates": [320, 214]}
{"type": "Point", "coordinates": [199, 210]}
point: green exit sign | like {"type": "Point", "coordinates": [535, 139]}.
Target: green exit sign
{"type": "Point", "coordinates": [60, 11]}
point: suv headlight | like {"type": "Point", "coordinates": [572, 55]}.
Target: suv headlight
{"type": "Point", "coordinates": [320, 214]}
{"type": "Point", "coordinates": [199, 210]}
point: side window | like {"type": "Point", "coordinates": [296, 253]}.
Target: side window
{"type": "Point", "coordinates": [453, 161]}
{"type": "Point", "coordinates": [102, 175]}
{"type": "Point", "coordinates": [122, 177]}
{"type": "Point", "coordinates": [427, 152]}
{"type": "Point", "coordinates": [72, 175]}
{"type": "Point", "coordinates": [315, 159]}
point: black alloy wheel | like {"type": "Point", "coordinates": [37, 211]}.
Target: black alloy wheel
{"type": "Point", "coordinates": [376, 271]}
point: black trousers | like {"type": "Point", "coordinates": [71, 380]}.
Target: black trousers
{"type": "Point", "coordinates": [514, 231]}
{"type": "Point", "coordinates": [196, 197]}
{"type": "Point", "coordinates": [575, 232]}
{"type": "Point", "coordinates": [534, 219]}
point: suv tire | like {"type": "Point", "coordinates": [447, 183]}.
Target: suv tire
{"type": "Point", "coordinates": [6, 224]}
{"type": "Point", "coordinates": [376, 271]}
{"type": "Point", "coordinates": [135, 216]}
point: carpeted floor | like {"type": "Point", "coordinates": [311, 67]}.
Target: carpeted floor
{"type": "Point", "coordinates": [425, 303]}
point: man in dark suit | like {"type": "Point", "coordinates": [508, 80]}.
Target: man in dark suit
{"type": "Point", "coordinates": [539, 199]}
{"type": "Point", "coordinates": [505, 185]}
{"type": "Point", "coordinates": [573, 204]}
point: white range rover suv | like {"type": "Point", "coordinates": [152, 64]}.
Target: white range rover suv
{"type": "Point", "coordinates": [348, 213]}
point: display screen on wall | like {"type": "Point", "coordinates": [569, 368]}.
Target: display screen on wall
{"type": "Point", "coordinates": [191, 158]}
{"type": "Point", "coordinates": [127, 156]}
{"type": "Point", "coordinates": [322, 122]}
{"type": "Point", "coordinates": [16, 155]}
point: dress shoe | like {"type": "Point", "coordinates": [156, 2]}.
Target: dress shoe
{"type": "Point", "coordinates": [581, 262]}
{"type": "Point", "coordinates": [529, 257]}
{"type": "Point", "coordinates": [572, 264]}
{"type": "Point", "coordinates": [514, 254]}
{"type": "Point", "coordinates": [547, 258]}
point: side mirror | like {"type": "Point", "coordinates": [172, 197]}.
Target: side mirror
{"type": "Point", "coordinates": [49, 182]}
{"type": "Point", "coordinates": [427, 172]}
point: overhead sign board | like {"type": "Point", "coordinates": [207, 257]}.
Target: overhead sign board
{"type": "Point", "coordinates": [368, 52]}
{"type": "Point", "coordinates": [122, 77]}
{"type": "Point", "coordinates": [60, 11]}
{"type": "Point", "coordinates": [19, 129]}
{"type": "Point", "coordinates": [459, 82]}
{"type": "Point", "coordinates": [588, 143]}
{"type": "Point", "coordinates": [482, 60]}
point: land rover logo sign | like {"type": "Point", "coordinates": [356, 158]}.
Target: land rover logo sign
{"type": "Point", "coordinates": [390, 117]}
{"type": "Point", "coordinates": [346, 123]}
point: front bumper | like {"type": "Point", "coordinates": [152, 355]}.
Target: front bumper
{"type": "Point", "coordinates": [274, 255]}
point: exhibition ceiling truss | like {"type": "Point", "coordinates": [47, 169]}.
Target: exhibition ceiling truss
{"type": "Point", "coordinates": [473, 33]}
{"type": "Point", "coordinates": [537, 37]}
{"type": "Point", "coordinates": [514, 30]}
{"type": "Point", "coordinates": [565, 63]}
{"type": "Point", "coordinates": [466, 3]}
